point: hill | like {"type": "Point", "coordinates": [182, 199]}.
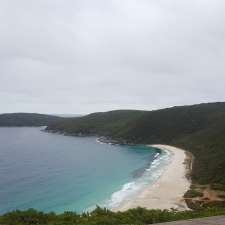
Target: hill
{"type": "Point", "coordinates": [27, 119]}
{"type": "Point", "coordinates": [198, 128]}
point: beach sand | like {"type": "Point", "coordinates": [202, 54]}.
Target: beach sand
{"type": "Point", "coordinates": [167, 192]}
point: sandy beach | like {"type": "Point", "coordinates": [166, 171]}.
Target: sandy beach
{"type": "Point", "coordinates": [167, 192]}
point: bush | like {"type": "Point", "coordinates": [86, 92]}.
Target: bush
{"type": "Point", "coordinates": [138, 216]}
{"type": "Point", "coordinates": [220, 187]}
{"type": "Point", "coordinates": [193, 194]}
{"type": "Point", "coordinates": [221, 195]}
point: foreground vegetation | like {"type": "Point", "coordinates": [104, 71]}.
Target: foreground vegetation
{"type": "Point", "coordinates": [104, 217]}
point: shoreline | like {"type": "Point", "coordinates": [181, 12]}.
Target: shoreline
{"type": "Point", "coordinates": [168, 191]}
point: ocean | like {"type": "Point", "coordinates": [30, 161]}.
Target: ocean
{"type": "Point", "coordinates": [56, 173]}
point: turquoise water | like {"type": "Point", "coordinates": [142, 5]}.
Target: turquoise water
{"type": "Point", "coordinates": [52, 172]}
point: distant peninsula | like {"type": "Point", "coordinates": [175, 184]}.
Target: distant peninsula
{"type": "Point", "coordinates": [27, 119]}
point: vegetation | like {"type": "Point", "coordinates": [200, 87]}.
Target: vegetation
{"type": "Point", "coordinates": [222, 195]}
{"type": "Point", "coordinates": [203, 196]}
{"type": "Point", "coordinates": [100, 216]}
{"type": "Point", "coordinates": [217, 186]}
{"type": "Point", "coordinates": [193, 194]}
{"type": "Point", "coordinates": [199, 129]}
{"type": "Point", "coordinates": [27, 119]}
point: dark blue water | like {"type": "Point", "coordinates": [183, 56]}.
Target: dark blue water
{"type": "Point", "coordinates": [52, 172]}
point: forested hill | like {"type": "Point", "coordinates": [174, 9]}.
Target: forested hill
{"type": "Point", "coordinates": [27, 119]}
{"type": "Point", "coordinates": [198, 128]}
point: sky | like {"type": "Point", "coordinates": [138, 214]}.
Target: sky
{"type": "Point", "coordinates": [70, 56]}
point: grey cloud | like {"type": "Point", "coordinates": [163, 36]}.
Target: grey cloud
{"type": "Point", "coordinates": [83, 56]}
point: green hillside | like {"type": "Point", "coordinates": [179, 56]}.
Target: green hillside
{"type": "Point", "coordinates": [27, 119]}
{"type": "Point", "coordinates": [199, 128]}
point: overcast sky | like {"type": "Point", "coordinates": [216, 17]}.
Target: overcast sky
{"type": "Point", "coordinates": [81, 56]}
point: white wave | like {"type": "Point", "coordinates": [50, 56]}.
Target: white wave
{"type": "Point", "coordinates": [126, 191]}
{"type": "Point", "coordinates": [99, 141]}
{"type": "Point", "coordinates": [157, 154]}
{"type": "Point", "coordinates": [150, 176]}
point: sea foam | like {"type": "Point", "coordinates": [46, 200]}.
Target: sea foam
{"type": "Point", "coordinates": [150, 176]}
